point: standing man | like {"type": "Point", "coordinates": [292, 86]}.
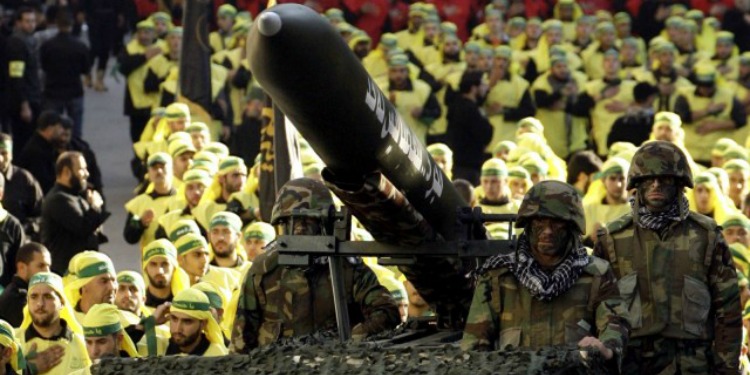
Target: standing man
{"type": "Point", "coordinates": [606, 199]}
{"type": "Point", "coordinates": [264, 312]}
{"type": "Point", "coordinates": [31, 259]}
{"type": "Point", "coordinates": [145, 209]}
{"type": "Point", "coordinates": [11, 238]}
{"type": "Point", "coordinates": [64, 60]}
{"type": "Point", "coordinates": [675, 273]}
{"type": "Point", "coordinates": [549, 291]}
{"type": "Point", "coordinates": [71, 214]}
{"type": "Point", "coordinates": [468, 130]}
{"type": "Point", "coordinates": [224, 235]}
{"type": "Point", "coordinates": [164, 279]}
{"type": "Point", "coordinates": [24, 87]}
{"type": "Point", "coordinates": [41, 151]}
{"type": "Point", "coordinates": [23, 195]}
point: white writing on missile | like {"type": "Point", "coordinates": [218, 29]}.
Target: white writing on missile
{"type": "Point", "coordinates": [407, 142]}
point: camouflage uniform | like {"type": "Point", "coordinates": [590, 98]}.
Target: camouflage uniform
{"type": "Point", "coordinates": [504, 313]}
{"type": "Point", "coordinates": [281, 301]}
{"type": "Point", "coordinates": [680, 286]}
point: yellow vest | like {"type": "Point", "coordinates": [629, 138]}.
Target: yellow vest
{"type": "Point", "coordinates": [602, 119]}
{"type": "Point", "coordinates": [376, 65]}
{"type": "Point", "coordinates": [137, 78]}
{"type": "Point", "coordinates": [600, 213]}
{"type": "Point", "coordinates": [76, 356]}
{"type": "Point", "coordinates": [560, 138]}
{"type": "Point", "coordinates": [217, 42]}
{"type": "Point", "coordinates": [508, 93]}
{"type": "Point", "coordinates": [681, 83]}
{"type": "Point", "coordinates": [699, 145]}
{"type": "Point", "coordinates": [406, 101]}
{"type": "Point", "coordinates": [236, 94]}
{"type": "Point", "coordinates": [138, 205]}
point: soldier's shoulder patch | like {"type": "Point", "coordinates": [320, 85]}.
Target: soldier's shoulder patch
{"type": "Point", "coordinates": [704, 221]}
{"type": "Point", "coordinates": [597, 266]}
{"type": "Point", "coordinates": [620, 223]}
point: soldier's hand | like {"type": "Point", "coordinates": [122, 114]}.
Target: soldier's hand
{"type": "Point", "coordinates": [147, 217]}
{"type": "Point", "coordinates": [590, 341]}
{"type": "Point", "coordinates": [161, 313]}
{"type": "Point", "coordinates": [45, 360]}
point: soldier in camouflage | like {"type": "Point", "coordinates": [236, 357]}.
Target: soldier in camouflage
{"type": "Point", "coordinates": [675, 273]}
{"type": "Point", "coordinates": [549, 291]}
{"type": "Point", "coordinates": [283, 301]}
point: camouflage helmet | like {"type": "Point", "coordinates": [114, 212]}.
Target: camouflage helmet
{"type": "Point", "coordinates": [552, 199]}
{"type": "Point", "coordinates": [659, 158]}
{"type": "Point", "coordinates": [301, 193]}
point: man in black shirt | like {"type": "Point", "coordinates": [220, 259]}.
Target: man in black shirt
{"type": "Point", "coordinates": [31, 259]}
{"type": "Point", "coordinates": [72, 215]}
{"type": "Point", "coordinates": [64, 60]}
{"type": "Point", "coordinates": [11, 238]}
{"type": "Point", "coordinates": [23, 195]}
{"type": "Point", "coordinates": [468, 131]}
{"type": "Point", "coordinates": [635, 125]}
{"type": "Point", "coordinates": [40, 153]}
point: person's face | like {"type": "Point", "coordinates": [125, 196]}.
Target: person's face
{"type": "Point", "coordinates": [27, 23]}
{"type": "Point", "coordinates": [533, 31]}
{"type": "Point", "coordinates": [302, 226]}
{"type": "Point", "coordinates": [554, 36]}
{"type": "Point", "coordinates": [666, 59]}
{"type": "Point", "coordinates": [484, 62]}
{"type": "Point", "coordinates": [560, 71]}
{"type": "Point", "coordinates": [615, 186]}
{"type": "Point", "coordinates": [518, 187]}
{"type": "Point", "coordinates": [737, 234]}
{"type": "Point", "coordinates": [737, 182]}
{"type": "Point", "coordinates": [515, 31]}
{"type": "Point", "coordinates": [40, 262]}
{"type": "Point", "coordinates": [57, 136]}
{"type": "Point", "coordinates": [495, 24]}
{"type": "Point", "coordinates": [611, 65]}
{"type": "Point", "coordinates": [362, 49]}
{"type": "Point", "coordinates": [158, 173]}
{"type": "Point", "coordinates": [177, 124]}
{"type": "Point", "coordinates": [451, 47]}
{"type": "Point", "coordinates": [184, 329]}
{"type": "Point", "coordinates": [161, 27]}
{"type": "Point", "coordinates": [44, 305]}
{"type": "Point", "coordinates": [566, 13]}
{"type": "Point", "coordinates": [583, 30]}
{"type": "Point", "coordinates": [430, 30]}
{"type": "Point", "coordinates": [105, 346]}
{"type": "Point", "coordinates": [129, 298]}
{"type": "Point", "coordinates": [182, 163]}
{"type": "Point", "coordinates": [717, 161]}
{"type": "Point", "coordinates": [175, 43]}
{"type": "Point", "coordinates": [441, 162]}
{"type": "Point", "coordinates": [223, 240]}
{"type": "Point", "coordinates": [234, 181]}
{"type": "Point", "coordinates": [6, 158]}
{"type": "Point", "coordinates": [628, 53]}
{"type": "Point", "coordinates": [623, 29]}
{"type": "Point", "coordinates": [703, 199]}
{"type": "Point", "coordinates": [159, 272]}
{"type": "Point", "coordinates": [664, 132]}
{"type": "Point", "coordinates": [548, 236]}
{"type": "Point", "coordinates": [705, 90]}
{"type": "Point", "coordinates": [195, 263]}
{"type": "Point", "coordinates": [199, 140]}
{"type": "Point", "coordinates": [145, 36]}
{"type": "Point", "coordinates": [398, 75]}
{"type": "Point", "coordinates": [607, 38]}
{"type": "Point", "coordinates": [416, 22]}
{"type": "Point", "coordinates": [225, 23]}
{"type": "Point", "coordinates": [471, 58]}
{"type": "Point", "coordinates": [657, 193]}
{"type": "Point", "coordinates": [744, 70]}
{"type": "Point", "coordinates": [493, 187]}
{"type": "Point", "coordinates": [194, 193]}
{"type": "Point", "coordinates": [79, 174]}
{"type": "Point", "coordinates": [254, 247]}
{"type": "Point", "coordinates": [724, 50]}
{"type": "Point", "coordinates": [101, 289]}
{"type": "Point", "coordinates": [501, 64]}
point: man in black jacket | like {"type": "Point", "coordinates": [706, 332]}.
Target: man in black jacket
{"type": "Point", "coordinates": [72, 215]}
{"type": "Point", "coordinates": [635, 125]}
{"type": "Point", "coordinates": [40, 153]}
{"type": "Point", "coordinates": [64, 60]}
{"type": "Point", "coordinates": [23, 195]}
{"type": "Point", "coordinates": [31, 259]}
{"type": "Point", "coordinates": [11, 238]}
{"type": "Point", "coordinates": [469, 132]}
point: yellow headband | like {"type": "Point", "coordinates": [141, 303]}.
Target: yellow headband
{"type": "Point", "coordinates": [195, 304]}
{"type": "Point", "coordinates": [104, 319]}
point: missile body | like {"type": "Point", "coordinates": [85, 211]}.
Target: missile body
{"type": "Point", "coordinates": [312, 75]}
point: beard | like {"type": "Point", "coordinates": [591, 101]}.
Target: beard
{"type": "Point", "coordinates": [226, 251]}
{"type": "Point", "coordinates": [43, 319]}
{"type": "Point", "coordinates": [76, 184]}
{"type": "Point", "coordinates": [182, 341]}
{"type": "Point", "coordinates": [159, 283]}
{"type": "Point", "coordinates": [127, 305]}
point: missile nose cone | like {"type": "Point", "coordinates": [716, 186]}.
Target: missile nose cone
{"type": "Point", "coordinates": [269, 23]}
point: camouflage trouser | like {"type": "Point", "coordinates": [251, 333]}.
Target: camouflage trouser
{"type": "Point", "coordinates": [663, 356]}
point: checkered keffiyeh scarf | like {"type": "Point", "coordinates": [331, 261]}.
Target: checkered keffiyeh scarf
{"type": "Point", "coordinates": [542, 285]}
{"type": "Point", "coordinates": [659, 221]}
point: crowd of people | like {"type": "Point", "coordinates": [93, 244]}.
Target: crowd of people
{"type": "Point", "coordinates": [615, 130]}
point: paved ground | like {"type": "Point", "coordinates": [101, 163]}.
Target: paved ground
{"type": "Point", "coordinates": [106, 129]}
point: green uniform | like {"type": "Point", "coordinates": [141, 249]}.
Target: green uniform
{"type": "Point", "coordinates": [281, 302]}
{"type": "Point", "coordinates": [503, 312]}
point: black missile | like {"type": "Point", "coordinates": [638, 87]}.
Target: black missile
{"type": "Point", "coordinates": [301, 61]}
